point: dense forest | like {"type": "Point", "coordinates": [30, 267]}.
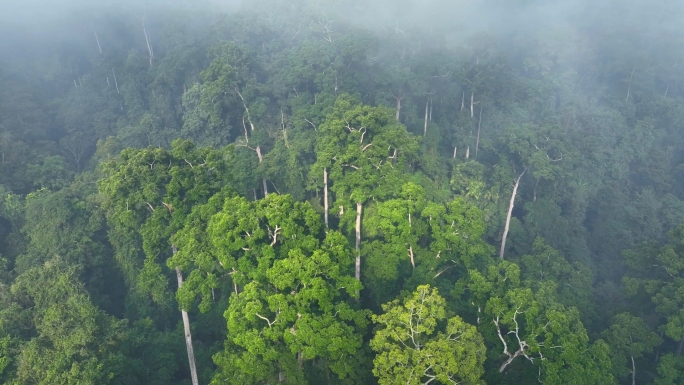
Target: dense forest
{"type": "Point", "coordinates": [342, 192]}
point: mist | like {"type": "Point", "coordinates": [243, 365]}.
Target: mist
{"type": "Point", "coordinates": [341, 192]}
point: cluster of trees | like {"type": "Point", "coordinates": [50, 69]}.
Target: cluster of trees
{"type": "Point", "coordinates": [273, 196]}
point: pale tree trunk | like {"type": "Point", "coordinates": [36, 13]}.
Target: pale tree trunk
{"type": "Point", "coordinates": [186, 327]}
{"type": "Point", "coordinates": [115, 82]}
{"type": "Point", "coordinates": [413, 262]}
{"type": "Point", "coordinates": [282, 123]}
{"type": "Point", "coordinates": [472, 105]}
{"type": "Point", "coordinates": [477, 141]}
{"type": "Point", "coordinates": [468, 152]}
{"type": "Point", "coordinates": [325, 195]}
{"type": "Point", "coordinates": [633, 371]}
{"type": "Point", "coordinates": [508, 216]}
{"type": "Point", "coordinates": [258, 147]}
{"type": "Point", "coordinates": [147, 40]}
{"type": "Point", "coordinates": [631, 76]}
{"type": "Point", "coordinates": [534, 192]}
{"type": "Point", "coordinates": [427, 104]}
{"type": "Point", "coordinates": [463, 101]}
{"type": "Point", "coordinates": [398, 108]}
{"type": "Point", "coordinates": [263, 180]}
{"type": "Point", "coordinates": [455, 148]}
{"type": "Point", "coordinates": [99, 47]}
{"type": "Point", "coordinates": [359, 208]}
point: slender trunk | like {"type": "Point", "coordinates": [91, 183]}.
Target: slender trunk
{"type": "Point", "coordinates": [477, 141]}
{"type": "Point", "coordinates": [427, 104]}
{"type": "Point", "coordinates": [186, 327]}
{"type": "Point", "coordinates": [325, 195]}
{"type": "Point", "coordinates": [633, 371]}
{"type": "Point", "coordinates": [508, 216]}
{"type": "Point", "coordinates": [667, 89]}
{"type": "Point", "coordinates": [398, 108]}
{"type": "Point", "coordinates": [99, 47]}
{"type": "Point", "coordinates": [147, 40]}
{"type": "Point", "coordinates": [282, 123]}
{"type": "Point", "coordinates": [115, 82]}
{"type": "Point", "coordinates": [359, 207]}
{"type": "Point", "coordinates": [261, 159]}
{"type": "Point", "coordinates": [631, 76]}
{"type": "Point", "coordinates": [468, 152]}
{"type": "Point", "coordinates": [534, 193]}
{"type": "Point", "coordinates": [463, 101]}
{"type": "Point", "coordinates": [472, 105]}
{"type": "Point", "coordinates": [455, 148]}
{"type": "Point", "coordinates": [413, 262]}
{"type": "Point", "coordinates": [244, 128]}
{"type": "Point", "coordinates": [679, 348]}
{"type": "Point", "coordinates": [431, 104]}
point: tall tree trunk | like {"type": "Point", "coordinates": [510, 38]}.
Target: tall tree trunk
{"type": "Point", "coordinates": [359, 208]}
{"type": "Point", "coordinates": [261, 159]}
{"type": "Point", "coordinates": [99, 47]}
{"type": "Point", "coordinates": [477, 141]}
{"type": "Point", "coordinates": [115, 82]}
{"type": "Point", "coordinates": [325, 195]}
{"type": "Point", "coordinates": [398, 108]}
{"type": "Point", "coordinates": [413, 261]}
{"type": "Point", "coordinates": [534, 192]}
{"type": "Point", "coordinates": [147, 40]}
{"type": "Point", "coordinates": [427, 104]}
{"type": "Point", "coordinates": [186, 327]}
{"type": "Point", "coordinates": [633, 371]}
{"type": "Point", "coordinates": [455, 148]}
{"type": "Point", "coordinates": [463, 101]}
{"type": "Point", "coordinates": [508, 216]}
{"type": "Point", "coordinates": [468, 152]}
{"type": "Point", "coordinates": [631, 76]}
{"type": "Point", "coordinates": [472, 105]}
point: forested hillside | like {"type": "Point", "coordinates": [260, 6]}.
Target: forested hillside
{"type": "Point", "coordinates": [342, 192]}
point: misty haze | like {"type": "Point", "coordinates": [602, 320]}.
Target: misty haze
{"type": "Point", "coordinates": [341, 192]}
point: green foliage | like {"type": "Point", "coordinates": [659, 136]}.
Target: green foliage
{"type": "Point", "coordinates": [670, 370]}
{"type": "Point", "coordinates": [415, 347]}
{"type": "Point", "coordinates": [529, 324]}
{"type": "Point", "coordinates": [365, 150]}
{"type": "Point", "coordinates": [424, 126]}
{"type": "Point", "coordinates": [75, 341]}
{"type": "Point", "coordinates": [293, 292]}
{"type": "Point", "coordinates": [657, 273]}
{"type": "Point", "coordinates": [629, 338]}
{"type": "Point", "coordinates": [432, 238]}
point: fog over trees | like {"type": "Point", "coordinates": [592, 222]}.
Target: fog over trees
{"type": "Point", "coordinates": [341, 192]}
